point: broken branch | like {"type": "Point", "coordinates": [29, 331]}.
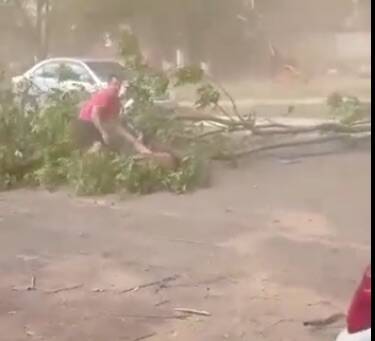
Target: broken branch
{"type": "Point", "coordinates": [192, 311]}
{"type": "Point", "coordinates": [324, 322]}
{"type": "Point", "coordinates": [161, 282]}
{"type": "Point", "coordinates": [300, 142]}
{"type": "Point", "coordinates": [144, 337]}
{"type": "Point", "coordinates": [56, 291]}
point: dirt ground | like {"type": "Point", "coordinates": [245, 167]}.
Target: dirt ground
{"type": "Point", "coordinates": [269, 89]}
{"type": "Point", "coordinates": [271, 244]}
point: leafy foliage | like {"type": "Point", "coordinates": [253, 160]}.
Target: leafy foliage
{"type": "Point", "coordinates": [207, 95]}
{"type": "Point", "coordinates": [348, 109]}
{"type": "Point", "coordinates": [36, 147]}
{"type": "Point", "coordinates": [37, 150]}
{"type": "Point", "coordinates": [188, 75]}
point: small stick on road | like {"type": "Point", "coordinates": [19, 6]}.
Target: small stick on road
{"type": "Point", "coordinates": [56, 291]}
{"type": "Point", "coordinates": [324, 322]}
{"type": "Point", "coordinates": [162, 303]}
{"type": "Point", "coordinates": [31, 287]}
{"type": "Point", "coordinates": [155, 317]}
{"type": "Point", "coordinates": [193, 311]}
{"type": "Point", "coordinates": [144, 337]}
{"type": "Point", "coordinates": [33, 283]}
{"type": "Point", "coordinates": [161, 282]}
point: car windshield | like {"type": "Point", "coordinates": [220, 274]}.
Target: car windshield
{"type": "Point", "coordinates": [104, 69]}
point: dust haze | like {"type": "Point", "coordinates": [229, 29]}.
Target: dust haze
{"type": "Point", "coordinates": [232, 39]}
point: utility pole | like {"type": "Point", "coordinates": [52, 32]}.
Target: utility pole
{"type": "Point", "coordinates": [42, 28]}
{"type": "Point", "coordinates": [46, 28]}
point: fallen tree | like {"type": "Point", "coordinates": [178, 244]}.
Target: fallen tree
{"type": "Point", "coordinates": [350, 122]}
{"type": "Point", "coordinates": [36, 147]}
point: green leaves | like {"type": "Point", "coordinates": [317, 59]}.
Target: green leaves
{"type": "Point", "coordinates": [207, 96]}
{"type": "Point", "coordinates": [93, 173]}
{"type": "Point", "coordinates": [188, 75]}
{"type": "Point", "coordinates": [348, 109]}
{"type": "Point", "coordinates": [103, 173]}
{"type": "Point", "coordinates": [37, 150]}
{"type": "Point", "coordinates": [129, 50]}
{"type": "Point", "coordinates": [51, 175]}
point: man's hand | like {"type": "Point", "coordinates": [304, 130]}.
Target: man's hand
{"type": "Point", "coordinates": [142, 149]}
{"type": "Point", "coordinates": [138, 145]}
{"type": "Point", "coordinates": [105, 137]}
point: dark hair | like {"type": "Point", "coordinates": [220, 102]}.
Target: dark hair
{"type": "Point", "coordinates": [114, 76]}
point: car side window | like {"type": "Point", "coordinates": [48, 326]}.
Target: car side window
{"type": "Point", "coordinates": [49, 70]}
{"type": "Point", "coordinates": [74, 72]}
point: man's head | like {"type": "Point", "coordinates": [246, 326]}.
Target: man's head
{"type": "Point", "coordinates": [118, 84]}
{"type": "Point", "coordinates": [114, 82]}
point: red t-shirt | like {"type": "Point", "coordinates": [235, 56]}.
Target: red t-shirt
{"type": "Point", "coordinates": [107, 99]}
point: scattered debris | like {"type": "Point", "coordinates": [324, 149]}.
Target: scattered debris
{"type": "Point", "coordinates": [31, 287]}
{"type": "Point", "coordinates": [264, 298]}
{"type": "Point", "coordinates": [266, 329]}
{"type": "Point", "coordinates": [98, 290]}
{"type": "Point", "coordinates": [70, 288]}
{"type": "Point", "coordinates": [322, 302]}
{"type": "Point", "coordinates": [279, 322]}
{"type": "Point", "coordinates": [161, 283]}
{"type": "Point", "coordinates": [205, 282]}
{"type": "Point", "coordinates": [162, 303]}
{"type": "Point", "coordinates": [156, 317]}
{"type": "Point", "coordinates": [144, 337]}
{"type": "Point", "coordinates": [197, 242]}
{"type": "Point", "coordinates": [30, 333]}
{"type": "Point", "coordinates": [325, 322]}
{"type": "Point", "coordinates": [26, 258]}
{"type": "Point", "coordinates": [33, 283]}
{"type": "Point", "coordinates": [192, 311]}
{"type": "Point", "coordinates": [289, 161]}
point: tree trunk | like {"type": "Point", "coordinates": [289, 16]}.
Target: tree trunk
{"type": "Point", "coordinates": [46, 29]}
{"type": "Point", "coordinates": [42, 29]}
{"type": "Point", "coordinates": [38, 29]}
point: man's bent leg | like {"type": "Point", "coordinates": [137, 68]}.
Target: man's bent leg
{"type": "Point", "coordinates": [85, 134]}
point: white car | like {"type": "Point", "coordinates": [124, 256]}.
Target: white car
{"type": "Point", "coordinates": [359, 314]}
{"type": "Point", "coordinates": [70, 74]}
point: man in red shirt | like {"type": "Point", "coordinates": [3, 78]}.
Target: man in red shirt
{"type": "Point", "coordinates": [99, 119]}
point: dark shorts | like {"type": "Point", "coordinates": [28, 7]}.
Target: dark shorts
{"type": "Point", "coordinates": [85, 134]}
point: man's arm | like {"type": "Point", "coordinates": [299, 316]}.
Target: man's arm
{"type": "Point", "coordinates": [138, 146]}
{"type": "Point", "coordinates": [98, 123]}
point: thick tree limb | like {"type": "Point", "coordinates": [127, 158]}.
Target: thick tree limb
{"type": "Point", "coordinates": [274, 128]}
{"type": "Point", "coordinates": [300, 142]}
{"type": "Point", "coordinates": [324, 127]}
{"type": "Point", "coordinates": [208, 118]}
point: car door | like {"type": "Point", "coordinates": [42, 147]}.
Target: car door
{"type": "Point", "coordinates": [74, 76]}
{"type": "Point", "coordinates": [44, 79]}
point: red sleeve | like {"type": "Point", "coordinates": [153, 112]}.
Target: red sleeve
{"type": "Point", "coordinates": [103, 99]}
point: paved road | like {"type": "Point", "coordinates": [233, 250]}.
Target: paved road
{"type": "Point", "coordinates": [305, 107]}
{"type": "Point", "coordinates": [269, 245]}
{"type": "Point", "coordinates": [277, 102]}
